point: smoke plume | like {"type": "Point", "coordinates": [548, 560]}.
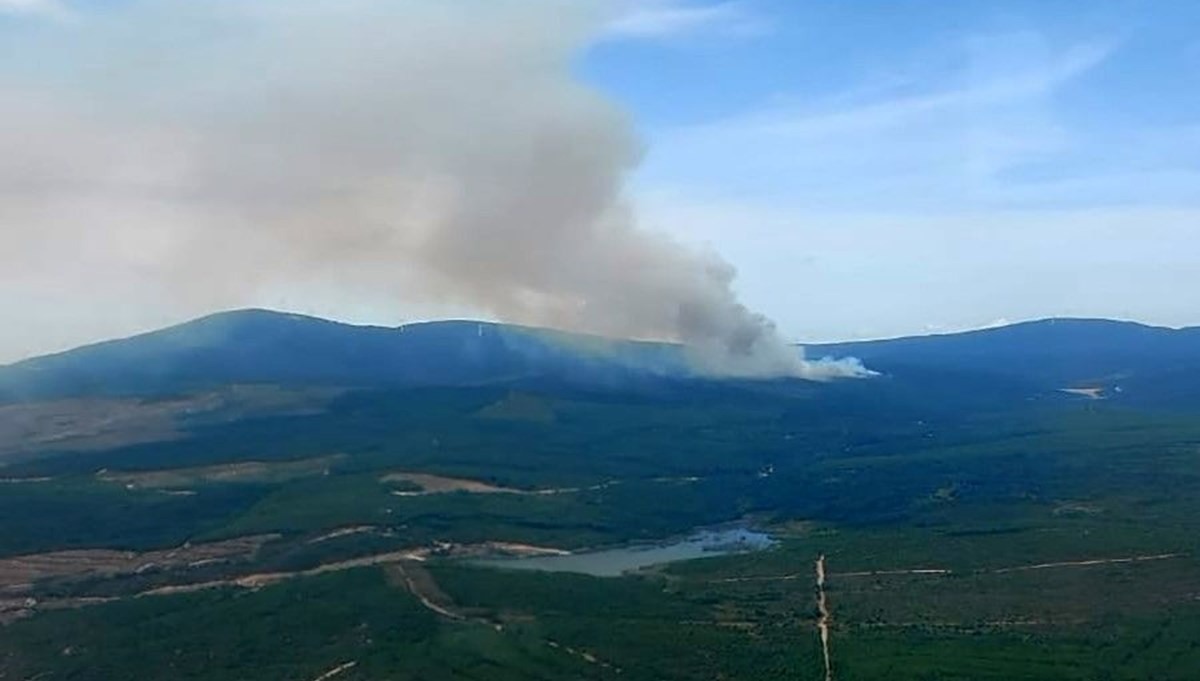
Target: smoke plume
{"type": "Point", "coordinates": [436, 151]}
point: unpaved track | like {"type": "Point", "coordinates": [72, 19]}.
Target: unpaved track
{"type": "Point", "coordinates": [336, 671]}
{"type": "Point", "coordinates": [420, 584]}
{"type": "Point", "coordinates": [823, 622]}
{"type": "Point", "coordinates": [1088, 563]}
{"type": "Point", "coordinates": [22, 571]}
{"type": "Point", "coordinates": [260, 580]}
{"type": "Point", "coordinates": [938, 572]}
{"type": "Point", "coordinates": [885, 573]}
{"type": "Point", "coordinates": [768, 578]}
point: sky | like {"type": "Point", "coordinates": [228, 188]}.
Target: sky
{"type": "Point", "coordinates": [871, 169]}
{"type": "Point", "coordinates": [924, 166]}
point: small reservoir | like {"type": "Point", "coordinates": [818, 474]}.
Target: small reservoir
{"type": "Point", "coordinates": [617, 561]}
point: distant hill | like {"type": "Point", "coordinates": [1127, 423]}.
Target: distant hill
{"type": "Point", "coordinates": [259, 346]}
{"type": "Point", "coordinates": [1132, 362]}
{"type": "Point", "coordinates": [1123, 359]}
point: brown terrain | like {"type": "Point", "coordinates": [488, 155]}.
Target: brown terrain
{"type": "Point", "coordinates": [436, 484]}
{"type": "Point", "coordinates": [83, 425]}
{"type": "Point", "coordinates": [19, 574]}
{"type": "Point", "coordinates": [242, 472]}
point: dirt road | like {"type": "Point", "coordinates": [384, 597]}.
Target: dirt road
{"type": "Point", "coordinates": [1087, 563]}
{"type": "Point", "coordinates": [823, 622]}
{"type": "Point", "coordinates": [336, 671]}
{"type": "Point", "coordinates": [420, 584]}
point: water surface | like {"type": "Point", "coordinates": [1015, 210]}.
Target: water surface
{"type": "Point", "coordinates": [616, 561]}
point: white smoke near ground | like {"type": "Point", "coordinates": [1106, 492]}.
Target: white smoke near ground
{"type": "Point", "coordinates": [430, 150]}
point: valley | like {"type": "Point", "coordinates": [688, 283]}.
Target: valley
{"type": "Point", "coordinates": [917, 529]}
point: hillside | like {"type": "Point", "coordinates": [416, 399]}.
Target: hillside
{"type": "Point", "coordinates": [259, 346]}
{"type": "Point", "coordinates": [952, 518]}
{"type": "Point", "coordinates": [1126, 360]}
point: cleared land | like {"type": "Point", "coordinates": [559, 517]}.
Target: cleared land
{"type": "Point", "coordinates": [245, 472]}
{"type": "Point", "coordinates": [83, 425]}
{"type": "Point", "coordinates": [19, 573]}
{"type": "Point", "coordinates": [437, 484]}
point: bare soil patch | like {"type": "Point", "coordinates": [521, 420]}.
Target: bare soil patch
{"type": "Point", "coordinates": [242, 472]}
{"type": "Point", "coordinates": [81, 425]}
{"type": "Point", "coordinates": [437, 484]}
{"type": "Point", "coordinates": [19, 573]}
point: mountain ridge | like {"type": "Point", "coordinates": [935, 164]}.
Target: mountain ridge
{"type": "Point", "coordinates": [263, 346]}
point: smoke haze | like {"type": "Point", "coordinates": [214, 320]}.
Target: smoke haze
{"type": "Point", "coordinates": [197, 154]}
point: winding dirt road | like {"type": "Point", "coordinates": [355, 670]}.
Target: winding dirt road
{"type": "Point", "coordinates": [421, 585]}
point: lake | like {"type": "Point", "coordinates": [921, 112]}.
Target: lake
{"type": "Point", "coordinates": [616, 561]}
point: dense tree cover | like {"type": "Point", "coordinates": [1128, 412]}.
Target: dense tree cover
{"type": "Point", "coordinates": [875, 480]}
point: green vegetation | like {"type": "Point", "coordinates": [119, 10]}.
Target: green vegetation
{"type": "Point", "coordinates": [972, 493]}
{"type": "Point", "coordinates": [296, 630]}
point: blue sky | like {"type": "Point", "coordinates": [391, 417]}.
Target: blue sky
{"type": "Point", "coordinates": [871, 168]}
{"type": "Point", "coordinates": [1044, 103]}
{"type": "Point", "coordinates": [913, 165]}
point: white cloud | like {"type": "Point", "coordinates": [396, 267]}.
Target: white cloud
{"type": "Point", "coordinates": [669, 18]}
{"type": "Point", "coordinates": [987, 133]}
{"type": "Point", "coordinates": [899, 111]}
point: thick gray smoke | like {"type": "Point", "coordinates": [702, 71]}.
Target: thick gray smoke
{"type": "Point", "coordinates": [432, 150]}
